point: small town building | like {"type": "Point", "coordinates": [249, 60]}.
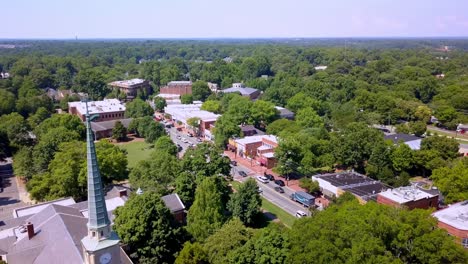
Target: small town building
{"type": "Point", "coordinates": [240, 88]}
{"type": "Point", "coordinates": [320, 68]}
{"type": "Point", "coordinates": [249, 130]}
{"type": "Point", "coordinates": [260, 148]}
{"type": "Point", "coordinates": [183, 112]}
{"type": "Point", "coordinates": [107, 109]}
{"type": "Point", "coordinates": [104, 129]}
{"type": "Point", "coordinates": [454, 219]}
{"type": "Point", "coordinates": [132, 87]}
{"type": "Point", "coordinates": [213, 87]}
{"type": "Point", "coordinates": [410, 197]}
{"type": "Point", "coordinates": [413, 142]}
{"type": "Point", "coordinates": [177, 87]}
{"type": "Point", "coordinates": [285, 113]}
{"type": "Point", "coordinates": [335, 184]}
{"type": "Point", "coordinates": [175, 205]}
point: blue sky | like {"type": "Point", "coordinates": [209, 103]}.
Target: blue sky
{"type": "Point", "coordinates": [232, 19]}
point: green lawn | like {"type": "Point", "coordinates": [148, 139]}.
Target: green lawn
{"type": "Point", "coordinates": [283, 216]}
{"type": "Point", "coordinates": [136, 151]}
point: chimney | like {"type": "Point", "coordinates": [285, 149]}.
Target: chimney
{"type": "Point", "coordinates": [30, 229]}
{"type": "Point", "coordinates": [122, 193]}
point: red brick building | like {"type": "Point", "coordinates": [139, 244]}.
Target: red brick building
{"type": "Point", "coordinates": [108, 109]}
{"type": "Point", "coordinates": [175, 205]}
{"type": "Point", "coordinates": [131, 87]}
{"type": "Point", "coordinates": [260, 147]}
{"type": "Point", "coordinates": [410, 197]}
{"type": "Point", "coordinates": [454, 219]}
{"type": "Point", "coordinates": [177, 87]}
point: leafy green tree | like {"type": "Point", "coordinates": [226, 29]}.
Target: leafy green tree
{"type": "Point", "coordinates": [402, 157]}
{"type": "Point", "coordinates": [186, 99]}
{"type": "Point", "coordinates": [119, 132]}
{"type": "Point", "coordinates": [212, 106]}
{"type": "Point", "coordinates": [16, 129]}
{"type": "Point", "coordinates": [307, 117]}
{"type": "Point", "coordinates": [374, 233]}
{"type": "Point", "coordinates": [155, 174]}
{"type": "Point", "coordinates": [159, 103]}
{"type": "Point", "coordinates": [428, 160]}
{"type": "Point", "coordinates": [423, 113]}
{"type": "Point", "coordinates": [138, 108]}
{"type": "Point", "coordinates": [447, 147]}
{"type": "Point", "coordinates": [91, 81]}
{"type": "Point", "coordinates": [300, 101]}
{"type": "Point", "coordinates": [268, 245]}
{"type": "Point", "coordinates": [231, 236]}
{"type": "Point", "coordinates": [207, 212]}
{"type": "Point", "coordinates": [146, 127]}
{"type": "Point", "coordinates": [185, 186]}
{"type": "Point", "coordinates": [200, 91]}
{"type": "Point", "coordinates": [7, 102]}
{"type": "Point", "coordinates": [23, 164]}
{"type": "Point", "coordinates": [263, 113]}
{"type": "Point", "coordinates": [452, 180]}
{"type": "Point", "coordinates": [226, 128]}
{"type": "Point", "coordinates": [310, 185]}
{"type": "Point", "coordinates": [166, 144]}
{"type": "Point", "coordinates": [205, 160]}
{"type": "Point", "coordinates": [146, 225]}
{"type": "Point", "coordinates": [69, 122]}
{"type": "Point", "coordinates": [379, 162]}
{"type": "Point", "coordinates": [246, 202]}
{"type": "Point", "coordinates": [192, 253]}
{"type": "Point", "coordinates": [282, 125]}
{"type": "Point", "coordinates": [194, 123]}
{"type": "Point", "coordinates": [41, 114]}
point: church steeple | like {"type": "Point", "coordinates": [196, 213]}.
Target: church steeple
{"type": "Point", "coordinates": [97, 211]}
{"type": "Point", "coordinates": [101, 245]}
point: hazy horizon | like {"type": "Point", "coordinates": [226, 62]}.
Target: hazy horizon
{"type": "Point", "coordinates": [242, 19]}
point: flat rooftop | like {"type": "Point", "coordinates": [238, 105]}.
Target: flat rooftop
{"type": "Point", "coordinates": [128, 83]}
{"type": "Point", "coordinates": [395, 138]}
{"type": "Point", "coordinates": [406, 194]}
{"type": "Point", "coordinates": [344, 178]}
{"type": "Point", "coordinates": [183, 112]}
{"type": "Point", "coordinates": [455, 215]}
{"type": "Point", "coordinates": [179, 83]}
{"type": "Point", "coordinates": [253, 139]}
{"type": "Point", "coordinates": [241, 90]}
{"type": "Point", "coordinates": [98, 107]}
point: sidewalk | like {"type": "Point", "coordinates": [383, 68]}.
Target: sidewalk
{"type": "Point", "coordinates": [258, 169]}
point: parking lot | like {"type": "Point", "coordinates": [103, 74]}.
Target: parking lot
{"type": "Point", "coordinates": [182, 139]}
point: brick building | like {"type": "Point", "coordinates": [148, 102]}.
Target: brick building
{"type": "Point", "coordinates": [260, 148]}
{"type": "Point", "coordinates": [410, 197]}
{"type": "Point", "coordinates": [177, 87]}
{"type": "Point", "coordinates": [175, 205]}
{"type": "Point", "coordinates": [454, 219]}
{"type": "Point", "coordinates": [131, 87]}
{"type": "Point", "coordinates": [108, 109]}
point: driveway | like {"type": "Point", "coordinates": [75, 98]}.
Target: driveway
{"type": "Point", "coordinates": [9, 194]}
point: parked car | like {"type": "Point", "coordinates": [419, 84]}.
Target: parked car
{"type": "Point", "coordinates": [184, 140]}
{"type": "Point", "coordinates": [260, 190]}
{"type": "Point", "coordinates": [269, 177]}
{"type": "Point", "coordinates": [233, 163]}
{"type": "Point", "coordinates": [262, 179]}
{"type": "Point", "coordinates": [190, 135]}
{"type": "Point", "coordinates": [179, 137]}
{"type": "Point", "coordinates": [300, 214]}
{"type": "Point", "coordinates": [279, 183]}
{"type": "Point", "coordinates": [279, 189]}
{"type": "Point", "coordinates": [199, 140]}
{"type": "Point", "coordinates": [179, 148]}
{"type": "Point", "coordinates": [242, 173]}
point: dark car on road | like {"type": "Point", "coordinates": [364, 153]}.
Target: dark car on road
{"type": "Point", "coordinates": [242, 173]}
{"type": "Point", "coordinates": [279, 189]}
{"type": "Point", "coordinates": [279, 183]}
{"type": "Point", "coordinates": [269, 177]}
{"type": "Point", "coordinates": [233, 163]}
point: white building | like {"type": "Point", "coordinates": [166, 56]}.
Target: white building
{"type": "Point", "coordinates": [183, 112]}
{"type": "Point", "coordinates": [107, 109]}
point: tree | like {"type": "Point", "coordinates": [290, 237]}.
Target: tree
{"type": "Point", "coordinates": [205, 160]}
{"type": "Point", "coordinates": [41, 114]}
{"type": "Point", "coordinates": [159, 103]}
{"type": "Point", "coordinates": [119, 132]}
{"type": "Point", "coordinates": [23, 164]}
{"type": "Point", "coordinates": [146, 225]}
{"type": "Point", "coordinates": [300, 101]}
{"type": "Point", "coordinates": [231, 236]}
{"type": "Point", "coordinates": [452, 180]}
{"type": "Point", "coordinates": [307, 117]}
{"type": "Point", "coordinates": [423, 113]}
{"type": "Point", "coordinates": [200, 91]}
{"type": "Point", "coordinates": [155, 174]}
{"type": "Point", "coordinates": [186, 99]}
{"type": "Point", "coordinates": [263, 113]}
{"type": "Point", "coordinates": [7, 102]}
{"type": "Point", "coordinates": [246, 202]}
{"type": "Point", "coordinates": [226, 128]}
{"type": "Point", "coordinates": [207, 212]}
{"type": "Point", "coordinates": [268, 245]}
{"type": "Point", "coordinates": [165, 144]}
{"type": "Point", "coordinates": [402, 157]}
{"type": "Point", "coordinates": [138, 108]}
{"type": "Point", "coordinates": [16, 129]}
{"type": "Point", "coordinates": [447, 147]}
{"type": "Point", "coordinates": [69, 122]}
{"type": "Point", "coordinates": [91, 81]}
{"type": "Point", "coordinates": [194, 122]}
{"type": "Point", "coordinates": [373, 233]}
{"type": "Point", "coordinates": [146, 127]}
{"type": "Point", "coordinates": [192, 253]}
{"type": "Point", "coordinates": [212, 106]}
{"type": "Point", "coordinates": [185, 186]}
{"type": "Point", "coordinates": [280, 125]}
{"type": "Point", "coordinates": [310, 185]}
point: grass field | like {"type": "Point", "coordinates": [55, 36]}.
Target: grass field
{"type": "Point", "coordinates": [280, 214]}
{"type": "Point", "coordinates": [136, 151]}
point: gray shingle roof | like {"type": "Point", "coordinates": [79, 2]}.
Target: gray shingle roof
{"type": "Point", "coordinates": [395, 138]}
{"type": "Point", "coordinates": [173, 202]}
{"type": "Point", "coordinates": [241, 90]}
{"type": "Point", "coordinates": [106, 125]}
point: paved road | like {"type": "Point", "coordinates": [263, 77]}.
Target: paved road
{"type": "Point", "coordinates": [450, 132]}
{"type": "Point", "coordinates": [9, 196]}
{"type": "Point", "coordinates": [174, 134]}
{"type": "Point", "coordinates": [281, 200]}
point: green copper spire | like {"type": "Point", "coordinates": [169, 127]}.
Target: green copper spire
{"type": "Point", "coordinates": [97, 211]}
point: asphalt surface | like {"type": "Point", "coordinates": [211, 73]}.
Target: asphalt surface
{"type": "Point", "coordinates": [281, 200]}
{"type": "Point", "coordinates": [178, 138]}
{"type": "Point", "coordinates": [9, 194]}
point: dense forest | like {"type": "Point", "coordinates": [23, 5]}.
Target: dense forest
{"type": "Point", "coordinates": [401, 82]}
